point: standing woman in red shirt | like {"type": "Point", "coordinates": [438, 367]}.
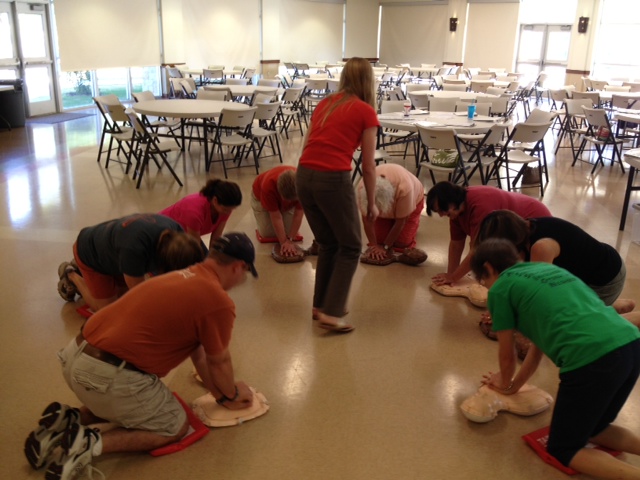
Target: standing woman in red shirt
{"type": "Point", "coordinates": [341, 123]}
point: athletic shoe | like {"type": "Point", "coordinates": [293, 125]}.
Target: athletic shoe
{"type": "Point", "coordinates": [67, 290]}
{"type": "Point", "coordinates": [40, 443]}
{"type": "Point", "coordinates": [77, 443]}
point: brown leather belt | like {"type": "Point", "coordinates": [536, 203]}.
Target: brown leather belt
{"type": "Point", "coordinates": [106, 357]}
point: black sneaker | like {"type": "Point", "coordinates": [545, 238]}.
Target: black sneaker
{"type": "Point", "coordinates": [77, 444]}
{"type": "Point", "coordinates": [40, 443]}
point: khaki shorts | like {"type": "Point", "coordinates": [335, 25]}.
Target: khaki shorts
{"type": "Point", "coordinates": [126, 398]}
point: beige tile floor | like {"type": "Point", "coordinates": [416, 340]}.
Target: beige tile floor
{"type": "Point", "coordinates": [380, 403]}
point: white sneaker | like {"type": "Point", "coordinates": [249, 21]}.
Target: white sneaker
{"type": "Point", "coordinates": [55, 420]}
{"type": "Point", "coordinates": [77, 443]}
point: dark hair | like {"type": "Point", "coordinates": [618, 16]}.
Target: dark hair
{"type": "Point", "coordinates": [508, 225]}
{"type": "Point", "coordinates": [227, 193]}
{"type": "Point", "coordinates": [445, 194]}
{"type": "Point", "coordinates": [498, 252]}
{"type": "Point", "coordinates": [177, 250]}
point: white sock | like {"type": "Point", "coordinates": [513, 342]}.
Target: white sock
{"type": "Point", "coordinates": [97, 448]}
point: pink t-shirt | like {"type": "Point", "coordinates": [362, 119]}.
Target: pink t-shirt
{"type": "Point", "coordinates": [409, 190]}
{"type": "Point", "coordinates": [193, 212]}
{"type": "Point", "coordinates": [331, 144]}
{"type": "Point", "coordinates": [482, 200]}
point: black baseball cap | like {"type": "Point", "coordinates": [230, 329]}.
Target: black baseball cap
{"type": "Point", "coordinates": [237, 245]}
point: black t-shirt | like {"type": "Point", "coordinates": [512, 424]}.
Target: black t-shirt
{"type": "Point", "coordinates": [593, 262]}
{"type": "Point", "coordinates": [125, 245]}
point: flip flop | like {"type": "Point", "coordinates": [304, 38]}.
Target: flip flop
{"type": "Point", "coordinates": [336, 327]}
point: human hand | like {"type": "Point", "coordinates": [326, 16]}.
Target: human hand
{"type": "Point", "coordinates": [376, 252]}
{"type": "Point", "coordinates": [494, 382]}
{"type": "Point", "coordinates": [288, 249]}
{"type": "Point", "coordinates": [485, 317]}
{"type": "Point", "coordinates": [243, 400]}
{"type": "Point", "coordinates": [442, 279]}
{"type": "Point", "coordinates": [372, 212]}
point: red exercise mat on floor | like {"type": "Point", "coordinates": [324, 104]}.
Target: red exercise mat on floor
{"type": "Point", "coordinates": [262, 239]}
{"type": "Point", "coordinates": [197, 430]}
{"type": "Point", "coordinates": [538, 441]}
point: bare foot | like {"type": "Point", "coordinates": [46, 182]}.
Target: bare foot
{"type": "Point", "coordinates": [624, 305]}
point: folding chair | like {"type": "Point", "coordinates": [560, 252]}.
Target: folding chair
{"type": "Point", "coordinates": [266, 115]}
{"type": "Point", "coordinates": [233, 132]}
{"type": "Point", "coordinates": [292, 110]}
{"type": "Point", "coordinates": [514, 157]}
{"type": "Point", "coordinates": [441, 140]}
{"type": "Point", "coordinates": [600, 134]}
{"type": "Point", "coordinates": [109, 126]}
{"type": "Point", "coordinates": [482, 151]}
{"type": "Point", "coordinates": [148, 146]}
{"type": "Point", "coordinates": [574, 122]}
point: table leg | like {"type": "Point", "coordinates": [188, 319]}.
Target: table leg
{"type": "Point", "coordinates": [627, 195]}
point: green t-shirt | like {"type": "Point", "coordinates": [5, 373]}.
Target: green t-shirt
{"type": "Point", "coordinates": [559, 313]}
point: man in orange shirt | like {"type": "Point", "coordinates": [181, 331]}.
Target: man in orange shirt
{"type": "Point", "coordinates": [114, 365]}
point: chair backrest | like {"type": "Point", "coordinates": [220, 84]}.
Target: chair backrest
{"type": "Point", "coordinates": [116, 112]}
{"type": "Point", "coordinates": [389, 106]}
{"type": "Point", "coordinates": [292, 95]}
{"type": "Point", "coordinates": [173, 72]}
{"type": "Point", "coordinates": [442, 104]}
{"type": "Point", "coordinates": [236, 81]}
{"type": "Point", "coordinates": [573, 106]}
{"type": "Point", "coordinates": [598, 84]}
{"type": "Point", "coordinates": [316, 85]}
{"type": "Point", "coordinates": [416, 87]}
{"type": "Point", "coordinates": [143, 96]}
{"type": "Point", "coordinates": [484, 108]}
{"type": "Point", "coordinates": [419, 101]}
{"type": "Point", "coordinates": [617, 88]}
{"type": "Point", "coordinates": [231, 118]}
{"type": "Point", "coordinates": [333, 84]}
{"type": "Point", "coordinates": [263, 96]}
{"type": "Point", "coordinates": [269, 82]}
{"type": "Point", "coordinates": [248, 73]}
{"type": "Point", "coordinates": [529, 132]}
{"type": "Point", "coordinates": [138, 126]}
{"type": "Point", "coordinates": [266, 111]}
{"type": "Point", "coordinates": [495, 90]}
{"type": "Point", "coordinates": [220, 95]}
{"type": "Point", "coordinates": [110, 99]}
{"type": "Point", "coordinates": [538, 115]}
{"type": "Point", "coordinates": [586, 81]}
{"type": "Point", "coordinates": [216, 67]}
{"type": "Point", "coordinates": [513, 86]}
{"type": "Point", "coordinates": [480, 87]}
{"type": "Point", "coordinates": [213, 74]}
{"type": "Point", "coordinates": [559, 95]}
{"type": "Point", "coordinates": [596, 117]}
{"type": "Point", "coordinates": [454, 87]}
{"type": "Point", "coordinates": [634, 86]}
{"type": "Point", "coordinates": [438, 138]}
{"type": "Point", "coordinates": [593, 96]}
{"type": "Point", "coordinates": [187, 88]}
{"type": "Point", "coordinates": [622, 101]}
{"type": "Point", "coordinates": [499, 106]}
{"type": "Point", "coordinates": [453, 79]}
{"type": "Point", "coordinates": [495, 134]}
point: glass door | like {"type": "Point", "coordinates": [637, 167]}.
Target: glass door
{"type": "Point", "coordinates": [35, 58]}
{"type": "Point", "coordinates": [9, 62]}
{"type": "Point", "coordinates": [544, 48]}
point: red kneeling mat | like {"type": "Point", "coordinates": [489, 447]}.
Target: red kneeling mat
{"type": "Point", "coordinates": [196, 431]}
{"type": "Point", "coordinates": [538, 441]}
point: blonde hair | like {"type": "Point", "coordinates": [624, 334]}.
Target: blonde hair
{"type": "Point", "coordinates": [356, 80]}
{"type": "Point", "coordinates": [384, 196]}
